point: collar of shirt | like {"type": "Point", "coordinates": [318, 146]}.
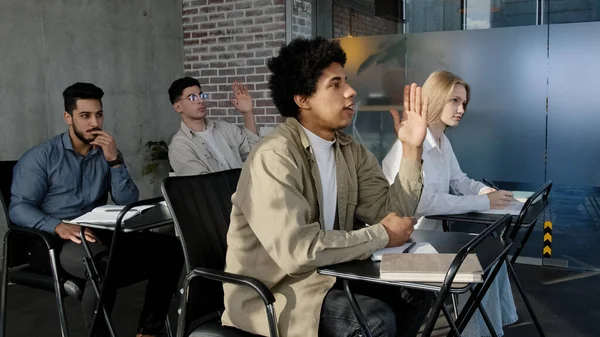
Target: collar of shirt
{"type": "Point", "coordinates": [190, 133]}
{"type": "Point", "coordinates": [430, 142]}
{"type": "Point", "coordinates": [340, 137]}
{"type": "Point", "coordinates": [317, 141]}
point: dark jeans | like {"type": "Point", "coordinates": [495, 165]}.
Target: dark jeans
{"type": "Point", "coordinates": [390, 311]}
{"type": "Point", "coordinates": [138, 256]}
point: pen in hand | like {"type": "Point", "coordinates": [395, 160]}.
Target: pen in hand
{"type": "Point", "coordinates": [489, 184]}
{"type": "Point", "coordinates": [409, 247]}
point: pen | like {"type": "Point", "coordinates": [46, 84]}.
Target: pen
{"type": "Point", "coordinates": [409, 247]}
{"type": "Point", "coordinates": [489, 184]}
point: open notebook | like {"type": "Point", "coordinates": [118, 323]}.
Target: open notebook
{"type": "Point", "coordinates": [428, 268]}
{"type": "Point", "coordinates": [108, 214]}
{"type": "Point", "coordinates": [514, 208]}
{"type": "Point", "coordinates": [418, 248]}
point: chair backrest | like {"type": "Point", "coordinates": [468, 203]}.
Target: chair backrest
{"type": "Point", "coordinates": [201, 207]}
{"type": "Point", "coordinates": [530, 207]}
{"type": "Point", "coordinates": [492, 258]}
{"type": "Point", "coordinates": [6, 177]}
{"type": "Point", "coordinates": [19, 250]}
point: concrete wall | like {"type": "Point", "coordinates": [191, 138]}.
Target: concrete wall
{"type": "Point", "coordinates": [132, 49]}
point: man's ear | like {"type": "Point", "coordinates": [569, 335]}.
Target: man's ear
{"type": "Point", "coordinates": [177, 106]}
{"type": "Point", "coordinates": [68, 118]}
{"type": "Point", "coordinates": [302, 102]}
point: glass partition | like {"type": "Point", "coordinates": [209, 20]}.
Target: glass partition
{"type": "Point", "coordinates": [532, 66]}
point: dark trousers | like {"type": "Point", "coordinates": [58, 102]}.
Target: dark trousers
{"type": "Point", "coordinates": [390, 311]}
{"type": "Point", "coordinates": [137, 256]}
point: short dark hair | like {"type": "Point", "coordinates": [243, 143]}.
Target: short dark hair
{"type": "Point", "coordinates": [297, 69]}
{"type": "Point", "coordinates": [178, 86]}
{"type": "Point", "coordinates": [80, 90]}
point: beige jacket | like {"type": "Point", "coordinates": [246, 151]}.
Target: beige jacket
{"type": "Point", "coordinates": [276, 234]}
{"type": "Point", "coordinates": [190, 155]}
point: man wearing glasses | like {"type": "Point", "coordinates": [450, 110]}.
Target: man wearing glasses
{"type": "Point", "coordinates": [203, 145]}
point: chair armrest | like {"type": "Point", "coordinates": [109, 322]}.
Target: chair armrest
{"type": "Point", "coordinates": [263, 291]}
{"type": "Point", "coordinates": [48, 238]}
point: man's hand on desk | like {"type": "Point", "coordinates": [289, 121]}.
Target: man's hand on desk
{"type": "Point", "coordinates": [398, 229]}
{"type": "Point", "coordinates": [71, 232]}
{"type": "Point", "coordinates": [500, 199]}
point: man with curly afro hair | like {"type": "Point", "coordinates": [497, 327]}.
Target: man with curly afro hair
{"type": "Point", "coordinates": [299, 194]}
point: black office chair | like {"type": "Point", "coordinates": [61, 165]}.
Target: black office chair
{"type": "Point", "coordinates": [29, 240]}
{"type": "Point", "coordinates": [512, 232]}
{"type": "Point", "coordinates": [479, 291]}
{"type": "Point", "coordinates": [201, 207]}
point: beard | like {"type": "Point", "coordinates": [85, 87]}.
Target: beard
{"type": "Point", "coordinates": [81, 135]}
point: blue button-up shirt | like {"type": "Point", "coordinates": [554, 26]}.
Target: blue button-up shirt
{"type": "Point", "coordinates": [52, 182]}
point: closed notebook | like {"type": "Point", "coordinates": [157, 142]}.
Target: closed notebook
{"type": "Point", "coordinates": [428, 268]}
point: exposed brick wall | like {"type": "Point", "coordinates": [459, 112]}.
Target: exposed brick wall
{"type": "Point", "coordinates": [362, 24]}
{"type": "Point", "coordinates": [301, 19]}
{"type": "Point", "coordinates": [228, 40]}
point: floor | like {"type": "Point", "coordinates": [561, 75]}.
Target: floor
{"type": "Point", "coordinates": [567, 301]}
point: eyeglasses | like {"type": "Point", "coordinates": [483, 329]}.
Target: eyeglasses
{"type": "Point", "coordinates": [195, 98]}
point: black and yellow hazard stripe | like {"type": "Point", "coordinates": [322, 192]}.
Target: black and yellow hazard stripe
{"type": "Point", "coordinates": [548, 239]}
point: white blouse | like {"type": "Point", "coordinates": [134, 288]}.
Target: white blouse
{"type": "Point", "coordinates": [446, 188]}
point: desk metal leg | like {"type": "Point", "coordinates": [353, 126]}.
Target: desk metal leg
{"type": "Point", "coordinates": [513, 275]}
{"type": "Point", "coordinates": [95, 280]}
{"type": "Point", "coordinates": [455, 305]}
{"type": "Point", "coordinates": [359, 315]}
{"type": "Point", "coordinates": [522, 243]}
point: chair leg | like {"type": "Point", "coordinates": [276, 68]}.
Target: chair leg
{"type": "Point", "coordinates": [3, 291]}
{"type": "Point", "coordinates": [62, 316]}
{"type": "Point", "coordinates": [487, 320]}
{"type": "Point", "coordinates": [168, 327]}
{"type": "Point", "coordinates": [359, 315]}
{"type": "Point", "coordinates": [453, 326]}
{"type": "Point", "coordinates": [513, 275]}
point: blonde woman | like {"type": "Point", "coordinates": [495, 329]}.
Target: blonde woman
{"type": "Point", "coordinates": [448, 98]}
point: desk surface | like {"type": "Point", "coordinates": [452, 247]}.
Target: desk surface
{"type": "Point", "coordinates": [154, 217]}
{"type": "Point", "coordinates": [531, 217]}
{"type": "Point", "coordinates": [443, 242]}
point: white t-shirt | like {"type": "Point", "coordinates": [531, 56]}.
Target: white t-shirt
{"type": "Point", "coordinates": [325, 157]}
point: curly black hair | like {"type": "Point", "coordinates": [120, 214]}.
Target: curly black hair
{"type": "Point", "coordinates": [297, 69]}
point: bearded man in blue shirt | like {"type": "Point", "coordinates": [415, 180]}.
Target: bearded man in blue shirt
{"type": "Point", "coordinates": [69, 175]}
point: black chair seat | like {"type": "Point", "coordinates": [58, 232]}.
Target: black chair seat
{"type": "Point", "coordinates": [215, 329]}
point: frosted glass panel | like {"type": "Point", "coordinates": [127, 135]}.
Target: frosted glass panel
{"type": "Point", "coordinates": [573, 118]}
{"type": "Point", "coordinates": [502, 135]}
{"type": "Point", "coordinates": [375, 69]}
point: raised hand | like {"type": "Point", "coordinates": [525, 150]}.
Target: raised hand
{"type": "Point", "coordinates": [242, 101]}
{"type": "Point", "coordinates": [411, 129]}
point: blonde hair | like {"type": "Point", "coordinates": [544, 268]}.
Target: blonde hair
{"type": "Point", "coordinates": [438, 87]}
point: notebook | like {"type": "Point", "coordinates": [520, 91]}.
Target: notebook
{"type": "Point", "coordinates": [514, 208]}
{"type": "Point", "coordinates": [108, 214]}
{"type": "Point", "coordinates": [428, 268]}
{"type": "Point", "coordinates": [418, 248]}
